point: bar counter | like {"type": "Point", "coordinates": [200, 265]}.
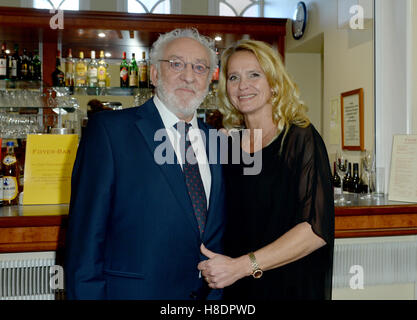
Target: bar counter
{"type": "Point", "coordinates": [32, 228]}
{"type": "Point", "coordinates": [42, 227]}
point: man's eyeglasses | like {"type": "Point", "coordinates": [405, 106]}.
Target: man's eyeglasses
{"type": "Point", "coordinates": [178, 65]}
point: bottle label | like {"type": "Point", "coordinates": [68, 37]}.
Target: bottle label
{"type": "Point", "coordinates": [9, 160]}
{"type": "Point", "coordinates": [3, 64]}
{"type": "Point", "coordinates": [92, 72]}
{"type": "Point", "coordinates": [14, 68]}
{"type": "Point", "coordinates": [69, 67]}
{"type": "Point", "coordinates": [124, 74]}
{"type": "Point", "coordinates": [10, 188]}
{"type": "Point", "coordinates": [80, 69]}
{"type": "Point", "coordinates": [80, 82]}
{"type": "Point", "coordinates": [102, 73]}
{"type": "Point", "coordinates": [133, 79]}
{"type": "Point", "coordinates": [143, 74]}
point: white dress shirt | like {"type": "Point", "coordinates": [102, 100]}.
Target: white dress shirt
{"type": "Point", "coordinates": [170, 119]}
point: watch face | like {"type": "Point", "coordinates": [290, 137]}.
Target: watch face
{"type": "Point", "coordinates": [299, 20]}
{"type": "Point", "coordinates": [257, 274]}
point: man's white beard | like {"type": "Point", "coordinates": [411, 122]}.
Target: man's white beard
{"type": "Point", "coordinates": [172, 102]}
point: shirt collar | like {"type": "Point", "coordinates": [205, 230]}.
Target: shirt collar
{"type": "Point", "coordinates": [168, 117]}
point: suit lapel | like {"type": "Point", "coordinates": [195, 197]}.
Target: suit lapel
{"type": "Point", "coordinates": [148, 123]}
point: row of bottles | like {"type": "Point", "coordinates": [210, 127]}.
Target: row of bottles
{"type": "Point", "coordinates": [351, 181]}
{"type": "Point", "coordinates": [28, 66]}
{"type": "Point", "coordinates": [11, 177]}
{"type": "Point", "coordinates": [94, 73]}
{"type": "Point", "coordinates": [134, 74]}
{"type": "Point", "coordinates": [80, 72]}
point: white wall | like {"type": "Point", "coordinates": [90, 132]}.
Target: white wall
{"type": "Point", "coordinates": [348, 64]}
{"type": "Point", "coordinates": [306, 71]}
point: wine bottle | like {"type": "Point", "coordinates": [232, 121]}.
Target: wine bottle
{"type": "Point", "coordinates": [92, 71]}
{"type": "Point", "coordinates": [81, 71]}
{"type": "Point", "coordinates": [347, 179]}
{"type": "Point", "coordinates": [69, 70]}
{"type": "Point", "coordinates": [133, 73]}
{"type": "Point", "coordinates": [24, 71]}
{"type": "Point", "coordinates": [356, 185]}
{"type": "Point", "coordinates": [58, 77]}
{"type": "Point", "coordinates": [10, 176]}
{"type": "Point", "coordinates": [3, 61]}
{"type": "Point", "coordinates": [143, 71]}
{"type": "Point", "coordinates": [124, 72]}
{"type": "Point", "coordinates": [102, 70]}
{"type": "Point", "coordinates": [13, 64]}
{"type": "Point", "coordinates": [31, 67]}
{"type": "Point", "coordinates": [336, 180]}
{"type": "Point", "coordinates": [37, 66]}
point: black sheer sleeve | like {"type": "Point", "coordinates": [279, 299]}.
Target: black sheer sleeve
{"type": "Point", "coordinates": [315, 203]}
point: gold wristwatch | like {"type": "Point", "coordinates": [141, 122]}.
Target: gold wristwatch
{"type": "Point", "coordinates": [256, 271]}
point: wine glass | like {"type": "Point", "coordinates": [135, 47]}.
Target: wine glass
{"type": "Point", "coordinates": [367, 165]}
{"type": "Point", "coordinates": [341, 169]}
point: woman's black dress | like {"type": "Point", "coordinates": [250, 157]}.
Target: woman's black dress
{"type": "Point", "coordinates": [291, 188]}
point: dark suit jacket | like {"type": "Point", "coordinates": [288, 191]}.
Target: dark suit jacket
{"type": "Point", "coordinates": [132, 232]}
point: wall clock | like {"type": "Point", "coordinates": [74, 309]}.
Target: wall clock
{"type": "Point", "coordinates": [299, 20]}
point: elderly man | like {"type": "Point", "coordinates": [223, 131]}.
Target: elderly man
{"type": "Point", "coordinates": [136, 223]}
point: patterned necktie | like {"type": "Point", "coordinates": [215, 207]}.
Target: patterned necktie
{"type": "Point", "coordinates": [192, 175]}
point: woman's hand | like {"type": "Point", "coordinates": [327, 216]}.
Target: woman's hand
{"type": "Point", "coordinates": [221, 271]}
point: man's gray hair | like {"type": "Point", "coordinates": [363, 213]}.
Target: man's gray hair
{"type": "Point", "coordinates": [159, 45]}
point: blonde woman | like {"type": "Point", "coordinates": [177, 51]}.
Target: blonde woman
{"type": "Point", "coordinates": [280, 231]}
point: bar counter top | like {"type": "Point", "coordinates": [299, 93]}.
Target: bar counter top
{"type": "Point", "coordinates": [42, 227]}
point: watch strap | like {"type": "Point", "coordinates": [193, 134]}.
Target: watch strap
{"type": "Point", "coordinates": [256, 270]}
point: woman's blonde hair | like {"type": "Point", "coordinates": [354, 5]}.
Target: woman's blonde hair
{"type": "Point", "coordinates": [287, 107]}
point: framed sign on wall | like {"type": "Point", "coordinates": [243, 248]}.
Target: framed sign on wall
{"type": "Point", "coordinates": [352, 120]}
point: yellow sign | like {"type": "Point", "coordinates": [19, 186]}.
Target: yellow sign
{"type": "Point", "coordinates": [48, 168]}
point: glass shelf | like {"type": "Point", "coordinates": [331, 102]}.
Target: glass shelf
{"type": "Point", "coordinates": [21, 84]}
{"type": "Point", "coordinates": [108, 91]}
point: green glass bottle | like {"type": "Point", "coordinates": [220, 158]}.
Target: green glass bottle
{"type": "Point", "coordinates": [37, 66]}
{"type": "Point", "coordinates": [133, 73]}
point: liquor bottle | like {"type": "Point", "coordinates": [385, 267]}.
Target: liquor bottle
{"type": "Point", "coordinates": [133, 73]}
{"type": "Point", "coordinates": [124, 72]}
{"type": "Point", "coordinates": [13, 64]}
{"type": "Point", "coordinates": [143, 71]}
{"type": "Point", "coordinates": [356, 185]}
{"type": "Point", "coordinates": [347, 179]}
{"type": "Point", "coordinates": [69, 70]}
{"type": "Point", "coordinates": [58, 78]}
{"type": "Point", "coordinates": [81, 71]}
{"type": "Point", "coordinates": [92, 71]}
{"type": "Point", "coordinates": [37, 66]}
{"type": "Point", "coordinates": [24, 71]}
{"type": "Point", "coordinates": [10, 176]}
{"type": "Point", "coordinates": [3, 61]}
{"type": "Point", "coordinates": [336, 180]}
{"type": "Point", "coordinates": [31, 72]}
{"type": "Point", "coordinates": [102, 71]}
